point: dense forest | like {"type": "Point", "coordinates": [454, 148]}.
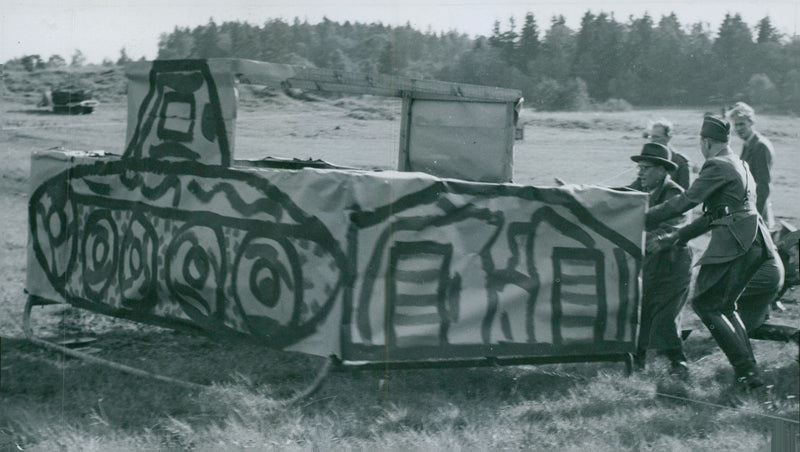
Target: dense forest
{"type": "Point", "coordinates": [603, 64]}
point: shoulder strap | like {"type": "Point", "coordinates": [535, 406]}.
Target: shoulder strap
{"type": "Point", "coordinates": [746, 181]}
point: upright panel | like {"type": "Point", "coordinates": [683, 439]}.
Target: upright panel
{"type": "Point", "coordinates": [181, 110]}
{"type": "Point", "coordinates": [460, 140]}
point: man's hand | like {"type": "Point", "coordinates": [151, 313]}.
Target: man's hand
{"type": "Point", "coordinates": [658, 242]}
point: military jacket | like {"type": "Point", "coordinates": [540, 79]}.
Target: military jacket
{"type": "Point", "coordinates": [726, 189]}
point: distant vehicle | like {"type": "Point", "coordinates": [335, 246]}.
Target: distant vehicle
{"type": "Point", "coordinates": [73, 101]}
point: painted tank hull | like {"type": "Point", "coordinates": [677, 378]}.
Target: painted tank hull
{"type": "Point", "coordinates": [136, 238]}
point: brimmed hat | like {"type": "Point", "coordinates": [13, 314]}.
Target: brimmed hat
{"type": "Point", "coordinates": [715, 128]}
{"type": "Point", "coordinates": [656, 153]}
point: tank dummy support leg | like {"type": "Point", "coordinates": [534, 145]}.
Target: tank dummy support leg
{"type": "Point", "coordinates": [32, 301]}
{"type": "Point", "coordinates": [627, 358]}
{"type": "Point", "coordinates": [26, 328]}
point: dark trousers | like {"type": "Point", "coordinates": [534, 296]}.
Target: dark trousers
{"type": "Point", "coordinates": [663, 297]}
{"type": "Point", "coordinates": [719, 286]}
{"type": "Point", "coordinates": [754, 304]}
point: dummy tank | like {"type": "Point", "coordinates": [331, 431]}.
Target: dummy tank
{"type": "Point", "coordinates": [444, 260]}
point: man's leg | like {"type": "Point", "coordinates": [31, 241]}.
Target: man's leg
{"type": "Point", "coordinates": [721, 285]}
{"type": "Point", "coordinates": [665, 331]}
{"type": "Point", "coordinates": [640, 358]}
{"type": "Point", "coordinates": [729, 333]}
{"type": "Point", "coordinates": [781, 333]}
{"type": "Point", "coordinates": [761, 291]}
{"type": "Point", "coordinates": [669, 298]}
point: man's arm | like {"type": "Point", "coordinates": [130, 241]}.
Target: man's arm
{"type": "Point", "coordinates": [659, 241]}
{"type": "Point", "coordinates": [712, 177]}
{"type": "Point", "coordinates": [682, 173]}
{"type": "Point", "coordinates": [670, 224]}
{"type": "Point", "coordinates": [668, 209]}
{"type": "Point", "coordinates": [760, 163]}
{"type": "Point", "coordinates": [761, 168]}
{"type": "Point", "coordinates": [696, 228]}
{"type": "Point", "coordinates": [762, 194]}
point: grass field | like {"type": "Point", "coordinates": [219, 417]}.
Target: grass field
{"type": "Point", "coordinates": [49, 402]}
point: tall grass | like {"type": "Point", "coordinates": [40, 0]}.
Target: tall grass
{"type": "Point", "coordinates": [50, 402]}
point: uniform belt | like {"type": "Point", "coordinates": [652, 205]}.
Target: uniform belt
{"type": "Point", "coordinates": [723, 211]}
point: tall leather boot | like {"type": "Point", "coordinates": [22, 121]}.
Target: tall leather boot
{"type": "Point", "coordinates": [746, 379]}
{"type": "Point", "coordinates": [732, 339]}
{"type": "Point", "coordinates": [741, 330]}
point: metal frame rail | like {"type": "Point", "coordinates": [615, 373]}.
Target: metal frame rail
{"type": "Point", "coordinates": [331, 363]}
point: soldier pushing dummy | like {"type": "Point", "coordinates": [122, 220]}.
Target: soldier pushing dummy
{"type": "Point", "coordinates": [740, 243]}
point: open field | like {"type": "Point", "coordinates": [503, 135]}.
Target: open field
{"type": "Point", "coordinates": [48, 402]}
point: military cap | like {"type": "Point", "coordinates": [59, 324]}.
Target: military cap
{"type": "Point", "coordinates": [715, 128]}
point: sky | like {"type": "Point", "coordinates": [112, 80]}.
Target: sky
{"type": "Point", "coordinates": [100, 28]}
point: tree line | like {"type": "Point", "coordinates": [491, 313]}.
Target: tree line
{"type": "Point", "coordinates": [35, 62]}
{"type": "Point", "coordinates": [605, 63]}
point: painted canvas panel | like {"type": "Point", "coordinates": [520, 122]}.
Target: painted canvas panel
{"type": "Point", "coordinates": [461, 140]}
{"type": "Point", "coordinates": [367, 266]}
{"type": "Point", "coordinates": [409, 262]}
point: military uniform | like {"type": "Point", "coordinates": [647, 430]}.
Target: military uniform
{"type": "Point", "coordinates": [738, 246]}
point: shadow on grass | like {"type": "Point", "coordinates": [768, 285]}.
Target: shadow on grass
{"type": "Point", "coordinates": [37, 112]}
{"type": "Point", "coordinates": [33, 377]}
{"type": "Point", "coordinates": [248, 379]}
{"type": "Point", "coordinates": [699, 345]}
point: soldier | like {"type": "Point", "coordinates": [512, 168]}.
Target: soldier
{"type": "Point", "coordinates": [666, 273]}
{"type": "Point", "coordinates": [739, 244]}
